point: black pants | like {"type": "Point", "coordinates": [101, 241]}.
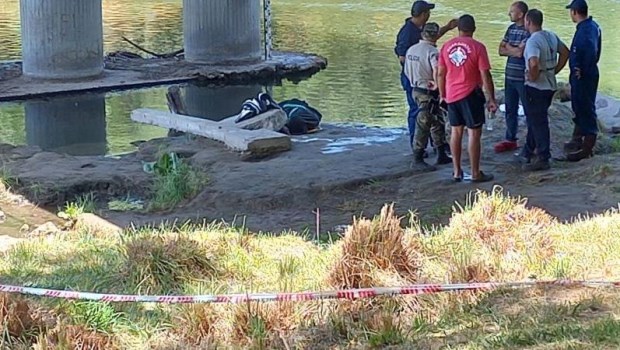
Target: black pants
{"type": "Point", "coordinates": [536, 106]}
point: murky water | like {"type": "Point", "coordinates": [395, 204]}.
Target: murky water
{"type": "Point", "coordinates": [360, 85]}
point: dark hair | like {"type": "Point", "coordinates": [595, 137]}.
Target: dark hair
{"type": "Point", "coordinates": [535, 16]}
{"type": "Point", "coordinates": [467, 24]}
{"type": "Point", "coordinates": [522, 6]}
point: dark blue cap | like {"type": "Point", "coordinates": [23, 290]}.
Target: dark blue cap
{"type": "Point", "coordinates": [420, 7]}
{"type": "Point", "coordinates": [578, 5]}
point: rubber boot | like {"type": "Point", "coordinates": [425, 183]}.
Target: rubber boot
{"type": "Point", "coordinates": [586, 150]}
{"type": "Point", "coordinates": [442, 156]}
{"type": "Point", "coordinates": [576, 141]}
{"type": "Point", "coordinates": [418, 162]}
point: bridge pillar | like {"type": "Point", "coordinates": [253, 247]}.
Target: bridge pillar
{"type": "Point", "coordinates": [222, 30]}
{"type": "Point", "coordinates": [61, 39]}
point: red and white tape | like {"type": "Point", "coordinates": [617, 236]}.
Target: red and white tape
{"type": "Point", "coordinates": [349, 294]}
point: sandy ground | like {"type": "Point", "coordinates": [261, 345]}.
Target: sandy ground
{"type": "Point", "coordinates": [343, 171]}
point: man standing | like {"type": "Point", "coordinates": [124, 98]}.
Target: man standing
{"type": "Point", "coordinates": [421, 69]}
{"type": "Point", "coordinates": [585, 53]}
{"type": "Point", "coordinates": [463, 69]}
{"type": "Point", "coordinates": [514, 90]}
{"type": "Point", "coordinates": [541, 56]}
{"type": "Point", "coordinates": [410, 34]}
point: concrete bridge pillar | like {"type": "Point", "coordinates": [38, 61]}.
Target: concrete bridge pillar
{"type": "Point", "coordinates": [73, 125]}
{"type": "Point", "coordinates": [62, 39]}
{"type": "Point", "coordinates": [222, 30]}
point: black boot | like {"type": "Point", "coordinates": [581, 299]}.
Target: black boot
{"type": "Point", "coordinates": [418, 162]}
{"type": "Point", "coordinates": [442, 156]}
{"type": "Point", "coordinates": [576, 141]}
{"type": "Point", "coordinates": [586, 151]}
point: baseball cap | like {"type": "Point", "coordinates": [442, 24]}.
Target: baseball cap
{"type": "Point", "coordinates": [578, 5]}
{"type": "Point", "coordinates": [467, 24]}
{"type": "Point", "coordinates": [430, 29]}
{"type": "Point", "coordinates": [420, 6]}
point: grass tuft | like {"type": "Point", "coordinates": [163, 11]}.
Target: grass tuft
{"type": "Point", "coordinates": [173, 184]}
{"type": "Point", "coordinates": [373, 252]}
{"type": "Point", "coordinates": [163, 263]}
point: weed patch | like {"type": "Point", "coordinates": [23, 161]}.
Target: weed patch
{"type": "Point", "coordinates": [175, 181]}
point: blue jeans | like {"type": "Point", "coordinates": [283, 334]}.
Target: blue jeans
{"type": "Point", "coordinates": [413, 107]}
{"type": "Point", "coordinates": [513, 92]}
{"type": "Point", "coordinates": [537, 104]}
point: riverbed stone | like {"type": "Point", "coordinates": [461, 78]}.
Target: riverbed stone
{"type": "Point", "coordinates": [46, 229]}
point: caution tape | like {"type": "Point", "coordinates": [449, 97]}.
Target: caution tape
{"type": "Point", "coordinates": [348, 294]}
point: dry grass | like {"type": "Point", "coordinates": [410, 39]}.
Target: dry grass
{"type": "Point", "coordinates": [373, 252]}
{"type": "Point", "coordinates": [492, 237]}
{"type": "Point", "coordinates": [159, 263]}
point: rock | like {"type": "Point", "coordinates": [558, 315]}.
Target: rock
{"type": "Point", "coordinates": [46, 229]}
{"type": "Point", "coordinates": [95, 224]}
{"type": "Point", "coordinates": [615, 129]}
{"type": "Point", "coordinates": [563, 92]}
{"type": "Point", "coordinates": [2, 217]}
{"type": "Point", "coordinates": [7, 242]}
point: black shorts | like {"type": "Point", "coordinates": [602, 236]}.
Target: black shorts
{"type": "Point", "coordinates": [469, 111]}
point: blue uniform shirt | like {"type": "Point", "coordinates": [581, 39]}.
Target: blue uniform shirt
{"type": "Point", "coordinates": [585, 50]}
{"type": "Point", "coordinates": [408, 36]}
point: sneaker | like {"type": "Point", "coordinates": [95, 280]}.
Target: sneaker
{"type": "Point", "coordinates": [506, 146]}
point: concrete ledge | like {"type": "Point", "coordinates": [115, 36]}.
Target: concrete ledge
{"type": "Point", "coordinates": [126, 73]}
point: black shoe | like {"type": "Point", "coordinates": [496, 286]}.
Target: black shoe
{"type": "Point", "coordinates": [442, 156]}
{"type": "Point", "coordinates": [419, 164]}
{"type": "Point", "coordinates": [538, 165]}
{"type": "Point", "coordinates": [458, 178]}
{"type": "Point", "coordinates": [483, 177]}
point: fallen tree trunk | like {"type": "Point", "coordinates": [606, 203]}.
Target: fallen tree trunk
{"type": "Point", "coordinates": [259, 142]}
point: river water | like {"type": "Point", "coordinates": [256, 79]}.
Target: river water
{"type": "Point", "coordinates": [361, 83]}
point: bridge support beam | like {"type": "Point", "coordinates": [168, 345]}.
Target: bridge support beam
{"type": "Point", "coordinates": [222, 30]}
{"type": "Point", "coordinates": [62, 39]}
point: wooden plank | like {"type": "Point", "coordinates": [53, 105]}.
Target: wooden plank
{"type": "Point", "coordinates": [258, 142]}
{"type": "Point", "coordinates": [274, 119]}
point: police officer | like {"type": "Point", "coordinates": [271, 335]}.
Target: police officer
{"type": "Point", "coordinates": [409, 35]}
{"type": "Point", "coordinates": [585, 53]}
{"type": "Point", "coordinates": [421, 69]}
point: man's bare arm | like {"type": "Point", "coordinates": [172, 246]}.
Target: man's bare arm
{"type": "Point", "coordinates": [509, 50]}
{"type": "Point", "coordinates": [448, 27]}
{"type": "Point", "coordinates": [441, 81]}
{"type": "Point", "coordinates": [563, 59]}
{"type": "Point", "coordinates": [402, 59]}
{"type": "Point", "coordinates": [489, 87]}
{"type": "Point", "coordinates": [533, 69]}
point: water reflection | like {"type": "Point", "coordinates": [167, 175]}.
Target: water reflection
{"type": "Point", "coordinates": [217, 102]}
{"type": "Point", "coordinates": [74, 125]}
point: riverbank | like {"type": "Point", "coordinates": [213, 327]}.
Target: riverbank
{"type": "Point", "coordinates": [129, 72]}
{"type": "Point", "coordinates": [499, 239]}
{"type": "Point", "coordinates": [327, 178]}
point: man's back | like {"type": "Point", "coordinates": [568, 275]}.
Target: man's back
{"type": "Point", "coordinates": [419, 63]}
{"type": "Point", "coordinates": [463, 58]}
{"type": "Point", "coordinates": [544, 45]}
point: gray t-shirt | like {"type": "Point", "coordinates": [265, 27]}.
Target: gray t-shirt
{"type": "Point", "coordinates": [421, 60]}
{"type": "Point", "coordinates": [544, 45]}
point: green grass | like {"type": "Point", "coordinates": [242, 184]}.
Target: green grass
{"type": "Point", "coordinates": [173, 187]}
{"type": "Point", "coordinates": [83, 204]}
{"type": "Point", "coordinates": [490, 237]}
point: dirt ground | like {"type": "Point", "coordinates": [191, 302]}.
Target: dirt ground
{"type": "Point", "coordinates": [340, 172]}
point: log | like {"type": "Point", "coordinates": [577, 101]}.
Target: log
{"type": "Point", "coordinates": [257, 142]}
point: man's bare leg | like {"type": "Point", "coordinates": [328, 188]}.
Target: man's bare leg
{"type": "Point", "coordinates": [456, 140]}
{"type": "Point", "coordinates": [474, 151]}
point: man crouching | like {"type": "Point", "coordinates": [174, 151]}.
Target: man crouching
{"type": "Point", "coordinates": [421, 70]}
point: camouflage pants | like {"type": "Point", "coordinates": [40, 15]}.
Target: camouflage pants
{"type": "Point", "coordinates": [430, 122]}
